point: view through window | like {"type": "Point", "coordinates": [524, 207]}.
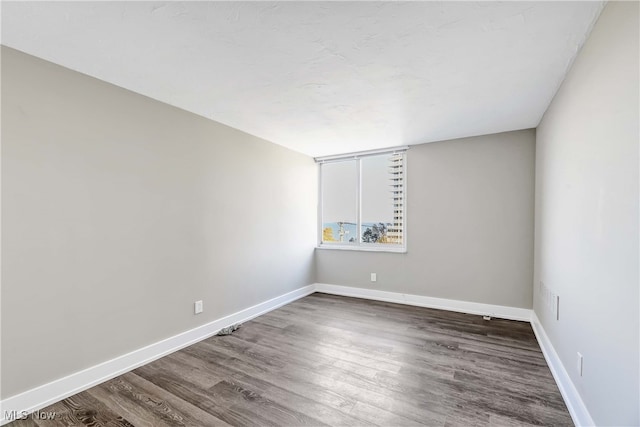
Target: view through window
{"type": "Point", "coordinates": [362, 200]}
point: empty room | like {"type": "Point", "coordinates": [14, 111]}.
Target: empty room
{"type": "Point", "coordinates": [321, 213]}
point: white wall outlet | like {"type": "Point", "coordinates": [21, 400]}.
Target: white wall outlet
{"type": "Point", "coordinates": [197, 307]}
{"type": "Point", "coordinates": [579, 364]}
{"type": "Point", "coordinates": [374, 277]}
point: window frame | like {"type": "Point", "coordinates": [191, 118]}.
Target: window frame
{"type": "Point", "coordinates": [358, 245]}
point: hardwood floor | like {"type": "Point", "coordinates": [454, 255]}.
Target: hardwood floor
{"type": "Point", "coordinates": [328, 360]}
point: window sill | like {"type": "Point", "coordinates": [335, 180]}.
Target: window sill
{"type": "Point", "coordinates": [362, 249]}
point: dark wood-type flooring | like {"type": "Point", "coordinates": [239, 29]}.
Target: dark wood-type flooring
{"type": "Point", "coordinates": [328, 360]}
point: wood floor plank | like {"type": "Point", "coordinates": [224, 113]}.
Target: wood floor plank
{"type": "Point", "coordinates": [79, 409]}
{"type": "Point", "coordinates": [325, 402]}
{"type": "Point", "coordinates": [311, 347]}
{"type": "Point", "coordinates": [202, 399]}
{"type": "Point", "coordinates": [153, 405]}
{"type": "Point", "coordinates": [296, 398]}
{"type": "Point", "coordinates": [329, 360]}
{"type": "Point", "coordinates": [250, 402]}
{"type": "Point", "coordinates": [382, 417]}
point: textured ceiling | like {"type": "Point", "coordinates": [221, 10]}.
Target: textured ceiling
{"type": "Point", "coordinates": [322, 77]}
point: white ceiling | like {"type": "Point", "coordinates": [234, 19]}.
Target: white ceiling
{"type": "Point", "coordinates": [322, 77]}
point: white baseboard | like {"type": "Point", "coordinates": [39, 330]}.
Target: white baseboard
{"type": "Point", "coordinates": [575, 405]}
{"type": "Point", "coordinates": [42, 396]}
{"type": "Point", "coordinates": [499, 311]}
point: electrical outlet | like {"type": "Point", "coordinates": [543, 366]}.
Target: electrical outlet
{"type": "Point", "coordinates": [579, 364]}
{"type": "Point", "coordinates": [374, 277]}
{"type": "Point", "coordinates": [198, 307]}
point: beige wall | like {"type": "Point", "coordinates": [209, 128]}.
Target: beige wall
{"type": "Point", "coordinates": [118, 212]}
{"type": "Point", "coordinates": [470, 225]}
{"type": "Point", "coordinates": [587, 217]}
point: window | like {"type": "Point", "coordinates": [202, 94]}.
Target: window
{"type": "Point", "coordinates": [362, 201]}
